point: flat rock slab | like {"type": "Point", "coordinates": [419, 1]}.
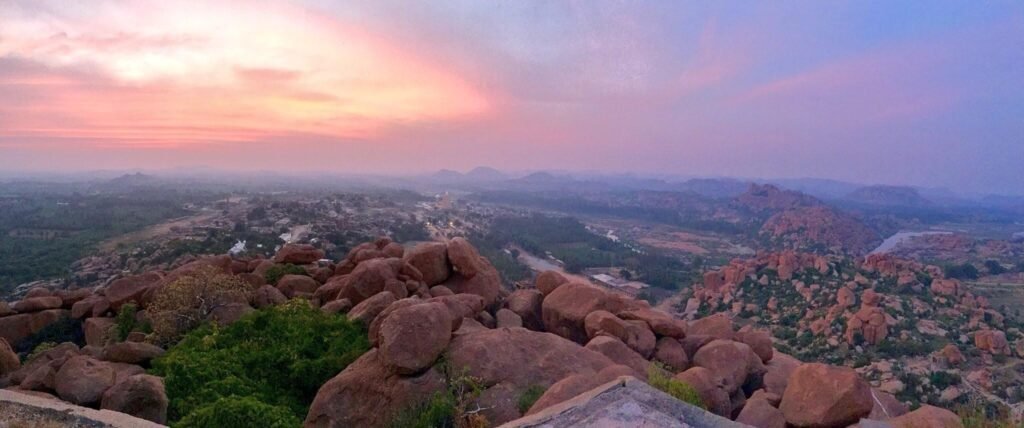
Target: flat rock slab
{"type": "Point", "coordinates": [624, 402]}
{"type": "Point", "coordinates": [22, 410]}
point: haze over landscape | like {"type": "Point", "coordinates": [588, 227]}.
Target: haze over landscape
{"type": "Point", "coordinates": [515, 214]}
{"type": "Point", "coordinates": [923, 94]}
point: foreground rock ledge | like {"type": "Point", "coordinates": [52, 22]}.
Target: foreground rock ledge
{"type": "Point", "coordinates": [17, 410]}
{"type": "Point", "coordinates": [625, 401]}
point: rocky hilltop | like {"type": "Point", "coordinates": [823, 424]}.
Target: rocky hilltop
{"type": "Point", "coordinates": [799, 221]}
{"type": "Point", "coordinates": [904, 326]}
{"type": "Point", "coordinates": [437, 318]}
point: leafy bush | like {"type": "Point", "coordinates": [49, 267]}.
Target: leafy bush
{"type": "Point", "coordinates": [438, 412]}
{"type": "Point", "coordinates": [66, 329]}
{"type": "Point", "coordinates": [190, 301]}
{"type": "Point", "coordinates": [449, 408]}
{"type": "Point", "coordinates": [964, 271]}
{"type": "Point", "coordinates": [680, 390]}
{"type": "Point", "coordinates": [39, 349]}
{"type": "Point", "coordinates": [277, 356]}
{"type": "Point", "coordinates": [942, 380]}
{"type": "Point", "coordinates": [994, 267]}
{"type": "Point", "coordinates": [529, 397]}
{"type": "Point", "coordinates": [235, 411]}
{"type": "Point", "coordinates": [276, 272]}
{"type": "Point", "coordinates": [126, 320]}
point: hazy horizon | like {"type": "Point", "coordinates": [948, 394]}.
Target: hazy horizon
{"type": "Point", "coordinates": [925, 95]}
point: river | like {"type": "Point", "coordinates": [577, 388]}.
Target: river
{"type": "Point", "coordinates": [891, 242]}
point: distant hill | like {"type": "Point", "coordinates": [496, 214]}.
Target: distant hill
{"type": "Point", "coordinates": [888, 195]}
{"type": "Point", "coordinates": [486, 173]}
{"type": "Point", "coordinates": [716, 187]}
{"type": "Point", "coordinates": [762, 198]}
{"type": "Point", "coordinates": [447, 174]}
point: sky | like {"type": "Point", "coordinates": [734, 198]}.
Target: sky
{"type": "Point", "coordinates": [888, 92]}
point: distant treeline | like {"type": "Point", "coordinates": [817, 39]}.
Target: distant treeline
{"type": "Point", "coordinates": [686, 217]}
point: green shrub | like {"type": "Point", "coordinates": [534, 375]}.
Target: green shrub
{"type": "Point", "coordinates": [276, 272]}
{"type": "Point", "coordinates": [449, 408]}
{"type": "Point", "coordinates": [438, 412]}
{"type": "Point", "coordinates": [126, 320]}
{"type": "Point", "coordinates": [235, 411]}
{"type": "Point", "coordinates": [278, 356]}
{"type": "Point", "coordinates": [680, 390]}
{"type": "Point", "coordinates": [529, 397]}
{"type": "Point", "coordinates": [40, 348]}
{"type": "Point", "coordinates": [66, 329]}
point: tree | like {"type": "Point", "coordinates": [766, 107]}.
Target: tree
{"type": "Point", "coordinates": [191, 300]}
{"type": "Point", "coordinates": [994, 267]}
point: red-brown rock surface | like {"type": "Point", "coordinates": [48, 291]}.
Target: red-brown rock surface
{"type": "Point", "coordinates": [822, 396]}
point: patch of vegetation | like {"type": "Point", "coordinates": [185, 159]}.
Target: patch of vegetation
{"type": "Point", "coordinates": [981, 414]}
{"type": "Point", "coordinates": [529, 397]}
{"type": "Point", "coordinates": [46, 228]}
{"type": "Point", "coordinates": [680, 390]}
{"type": "Point", "coordinates": [66, 329]}
{"type": "Point", "coordinates": [569, 240]}
{"type": "Point", "coordinates": [235, 411]}
{"type": "Point", "coordinates": [191, 300]}
{"type": "Point", "coordinates": [962, 272]}
{"type": "Point", "coordinates": [125, 320]}
{"type": "Point", "coordinates": [277, 271]}
{"type": "Point", "coordinates": [449, 408]}
{"type": "Point", "coordinates": [39, 349]}
{"type": "Point", "coordinates": [277, 357]}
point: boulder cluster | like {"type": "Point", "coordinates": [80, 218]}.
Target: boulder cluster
{"type": "Point", "coordinates": [111, 377]}
{"type": "Point", "coordinates": [102, 374]}
{"type": "Point", "coordinates": [562, 336]}
{"type": "Point", "coordinates": [437, 317]}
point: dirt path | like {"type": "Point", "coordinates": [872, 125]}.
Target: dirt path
{"type": "Point", "coordinates": [156, 230]}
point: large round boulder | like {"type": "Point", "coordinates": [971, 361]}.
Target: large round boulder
{"type": "Point", "coordinates": [368, 394]}
{"type": "Point", "coordinates": [549, 280]}
{"type": "Point", "coordinates": [928, 416]}
{"type": "Point", "coordinates": [36, 304]}
{"type": "Point", "coordinates": [527, 304]}
{"type": "Point", "coordinates": [671, 353]}
{"type": "Point", "coordinates": [714, 397]}
{"type": "Point", "coordinates": [464, 258]}
{"type": "Point", "coordinates": [9, 361]}
{"type": "Point", "coordinates": [729, 362]}
{"type": "Point", "coordinates": [577, 384]}
{"type": "Point", "coordinates": [299, 254]}
{"type": "Point", "coordinates": [508, 361]}
{"type": "Point", "coordinates": [431, 260]}
{"type": "Point", "coordinates": [130, 288]}
{"type": "Point", "coordinates": [761, 414]}
{"type": "Point", "coordinates": [131, 352]}
{"type": "Point", "coordinates": [564, 310]}
{"type": "Point", "coordinates": [413, 337]}
{"type": "Point", "coordinates": [367, 279]}
{"type": "Point", "coordinates": [659, 322]}
{"type": "Point", "coordinates": [368, 309]}
{"type": "Point", "coordinates": [292, 284]}
{"type": "Point", "coordinates": [718, 326]}
{"type": "Point", "coordinates": [618, 352]}
{"type": "Point", "coordinates": [823, 396]}
{"type": "Point", "coordinates": [83, 380]}
{"type": "Point", "coordinates": [266, 296]}
{"type": "Point", "coordinates": [486, 283]}
{"type": "Point", "coordinates": [140, 395]}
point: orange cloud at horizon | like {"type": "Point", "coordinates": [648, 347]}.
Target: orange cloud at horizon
{"type": "Point", "coordinates": [215, 73]}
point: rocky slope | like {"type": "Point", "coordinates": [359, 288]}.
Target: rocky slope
{"type": "Point", "coordinates": [901, 324]}
{"type": "Point", "coordinates": [439, 320]}
{"type": "Point", "coordinates": [798, 221]}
